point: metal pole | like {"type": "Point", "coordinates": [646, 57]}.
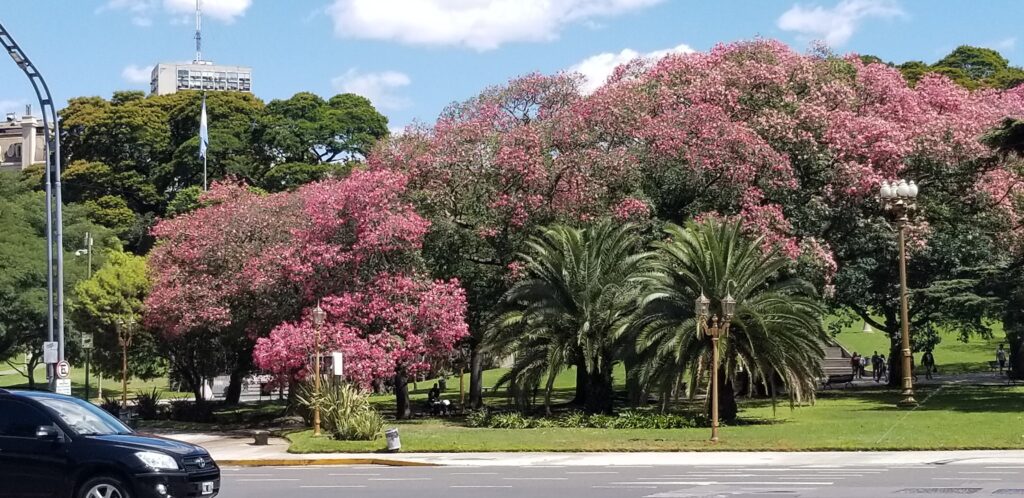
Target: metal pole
{"type": "Point", "coordinates": [714, 381]}
{"type": "Point", "coordinates": [908, 400]}
{"type": "Point", "coordinates": [316, 381]}
{"type": "Point", "coordinates": [53, 201]}
{"type": "Point", "coordinates": [204, 172]}
{"type": "Point", "coordinates": [88, 356]}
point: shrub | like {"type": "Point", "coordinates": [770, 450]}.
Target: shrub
{"type": "Point", "coordinates": [344, 412]}
{"type": "Point", "coordinates": [186, 410]}
{"type": "Point", "coordinates": [147, 404]}
{"type": "Point", "coordinates": [579, 420]}
{"type": "Point", "coordinates": [112, 406]}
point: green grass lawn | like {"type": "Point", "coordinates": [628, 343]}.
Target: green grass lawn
{"type": "Point", "coordinates": [111, 386]}
{"type": "Point", "coordinates": [951, 354]}
{"type": "Point", "coordinates": [953, 417]}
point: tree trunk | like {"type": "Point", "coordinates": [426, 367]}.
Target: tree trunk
{"type": "Point", "coordinates": [895, 361]}
{"type": "Point", "coordinates": [476, 379]}
{"type": "Point", "coordinates": [402, 409]}
{"type": "Point", "coordinates": [30, 370]}
{"type": "Point", "coordinates": [634, 390]}
{"type": "Point", "coordinates": [599, 392]}
{"type": "Point", "coordinates": [727, 408]}
{"type": "Point", "coordinates": [581, 384]}
{"type": "Point", "coordinates": [1016, 340]}
{"type": "Point", "coordinates": [234, 391]}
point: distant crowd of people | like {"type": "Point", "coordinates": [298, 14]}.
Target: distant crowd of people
{"type": "Point", "coordinates": [880, 368]}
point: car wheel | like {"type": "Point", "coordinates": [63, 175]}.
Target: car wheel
{"type": "Point", "coordinates": [103, 487]}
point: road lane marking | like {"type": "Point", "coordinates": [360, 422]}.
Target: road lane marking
{"type": "Point", "coordinates": [399, 479]}
{"type": "Point", "coordinates": [591, 473]}
{"type": "Point", "coordinates": [477, 486]}
{"type": "Point", "coordinates": [354, 474]}
{"type": "Point", "coordinates": [536, 478]}
{"type": "Point", "coordinates": [265, 480]}
{"type": "Point", "coordinates": [336, 486]}
{"type": "Point", "coordinates": [968, 479]}
{"type": "Point", "coordinates": [249, 475]}
{"type": "Point", "coordinates": [473, 474]}
{"type": "Point", "coordinates": [988, 472]}
{"type": "Point", "coordinates": [730, 483]}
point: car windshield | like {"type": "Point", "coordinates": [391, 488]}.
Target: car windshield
{"type": "Point", "coordinates": [84, 418]}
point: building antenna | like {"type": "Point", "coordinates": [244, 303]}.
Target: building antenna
{"type": "Point", "coordinates": [199, 33]}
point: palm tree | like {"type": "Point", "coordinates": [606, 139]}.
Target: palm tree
{"type": "Point", "coordinates": [777, 329]}
{"type": "Point", "coordinates": [577, 299]}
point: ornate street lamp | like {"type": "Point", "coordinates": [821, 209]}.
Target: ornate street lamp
{"type": "Point", "coordinates": [712, 327]}
{"type": "Point", "coordinates": [899, 199]}
{"type": "Point", "coordinates": [318, 319]}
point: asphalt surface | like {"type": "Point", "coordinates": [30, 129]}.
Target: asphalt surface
{"type": "Point", "coordinates": [860, 481]}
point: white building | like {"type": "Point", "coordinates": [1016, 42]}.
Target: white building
{"type": "Point", "coordinates": [22, 142]}
{"type": "Point", "coordinates": [168, 78]}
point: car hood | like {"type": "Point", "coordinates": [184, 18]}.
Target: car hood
{"type": "Point", "coordinates": [151, 442]}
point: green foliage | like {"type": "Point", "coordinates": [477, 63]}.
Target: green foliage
{"type": "Point", "coordinates": [185, 201]}
{"type": "Point", "coordinates": [112, 405]}
{"type": "Point", "coordinates": [777, 328]}
{"type": "Point", "coordinates": [289, 176]}
{"type": "Point", "coordinates": [112, 212]}
{"type": "Point", "coordinates": [970, 67]}
{"type": "Point", "coordinates": [580, 420]}
{"type": "Point", "coordinates": [115, 293]}
{"type": "Point", "coordinates": [307, 129]}
{"type": "Point", "coordinates": [575, 302]}
{"type": "Point", "coordinates": [147, 404]}
{"type": "Point", "coordinates": [344, 411]}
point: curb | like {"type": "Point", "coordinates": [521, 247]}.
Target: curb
{"type": "Point", "coordinates": [298, 462]}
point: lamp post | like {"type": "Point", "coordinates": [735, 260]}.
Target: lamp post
{"type": "Point", "coordinates": [125, 331]}
{"type": "Point", "coordinates": [714, 327]}
{"type": "Point", "coordinates": [318, 319]}
{"type": "Point", "coordinates": [87, 338]}
{"type": "Point", "coordinates": [899, 199]}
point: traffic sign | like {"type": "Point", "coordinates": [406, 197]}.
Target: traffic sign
{"type": "Point", "coordinates": [86, 341]}
{"type": "Point", "coordinates": [64, 387]}
{"type": "Point", "coordinates": [50, 352]}
{"type": "Point", "coordinates": [63, 370]}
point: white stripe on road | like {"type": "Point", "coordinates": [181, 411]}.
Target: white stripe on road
{"type": "Point", "coordinates": [265, 480]}
{"type": "Point", "coordinates": [731, 483]}
{"type": "Point", "coordinates": [473, 474]}
{"type": "Point", "coordinates": [336, 486]}
{"type": "Point", "coordinates": [468, 486]}
{"type": "Point", "coordinates": [966, 479]}
{"type": "Point", "coordinates": [993, 472]}
{"type": "Point", "coordinates": [399, 479]}
{"type": "Point", "coordinates": [590, 473]}
{"type": "Point", "coordinates": [353, 474]}
{"type": "Point", "coordinates": [536, 478]}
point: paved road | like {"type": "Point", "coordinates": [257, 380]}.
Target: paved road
{"type": "Point", "coordinates": [860, 481]}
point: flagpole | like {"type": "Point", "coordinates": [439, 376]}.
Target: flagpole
{"type": "Point", "coordinates": [204, 173]}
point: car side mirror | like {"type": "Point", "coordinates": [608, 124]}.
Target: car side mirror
{"type": "Point", "coordinates": [48, 433]}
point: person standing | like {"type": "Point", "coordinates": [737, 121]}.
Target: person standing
{"type": "Point", "coordinates": [863, 366]}
{"type": "Point", "coordinates": [883, 369]}
{"type": "Point", "coordinates": [876, 369]}
{"type": "Point", "coordinates": [928, 360]}
{"type": "Point", "coordinates": [1001, 357]}
{"type": "Point", "coordinates": [855, 364]}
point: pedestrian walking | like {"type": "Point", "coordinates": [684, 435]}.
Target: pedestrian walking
{"type": "Point", "coordinates": [863, 366]}
{"type": "Point", "coordinates": [883, 369]}
{"type": "Point", "coordinates": [1001, 357]}
{"type": "Point", "coordinates": [928, 360]}
{"type": "Point", "coordinates": [855, 364]}
{"type": "Point", "coordinates": [876, 368]}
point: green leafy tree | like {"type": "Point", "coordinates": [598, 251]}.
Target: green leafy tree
{"type": "Point", "coordinates": [307, 129]}
{"type": "Point", "coordinates": [777, 329]}
{"type": "Point", "coordinates": [290, 176]}
{"type": "Point", "coordinates": [575, 302]}
{"type": "Point", "coordinates": [114, 294]}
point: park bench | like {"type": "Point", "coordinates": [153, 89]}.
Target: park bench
{"type": "Point", "coordinates": [831, 380]}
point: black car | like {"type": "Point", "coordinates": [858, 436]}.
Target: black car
{"type": "Point", "coordinates": [59, 446]}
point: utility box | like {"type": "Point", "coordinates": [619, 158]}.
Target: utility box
{"type": "Point", "coordinates": [394, 444]}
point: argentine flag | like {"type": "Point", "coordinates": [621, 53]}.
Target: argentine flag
{"type": "Point", "coordinates": [204, 133]}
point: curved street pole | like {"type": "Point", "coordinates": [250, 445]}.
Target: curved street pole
{"type": "Point", "coordinates": [54, 218]}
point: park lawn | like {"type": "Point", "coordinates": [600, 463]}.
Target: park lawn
{"type": "Point", "coordinates": [951, 417]}
{"type": "Point", "coordinates": [111, 386]}
{"type": "Point", "coordinates": [952, 355]}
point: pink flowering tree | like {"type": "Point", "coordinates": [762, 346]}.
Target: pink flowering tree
{"type": "Point", "coordinates": [250, 265]}
{"type": "Point", "coordinates": [493, 169]}
{"type": "Point", "coordinates": [391, 329]}
{"type": "Point", "coordinates": [796, 146]}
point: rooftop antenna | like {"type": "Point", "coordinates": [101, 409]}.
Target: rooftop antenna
{"type": "Point", "coordinates": [199, 33]}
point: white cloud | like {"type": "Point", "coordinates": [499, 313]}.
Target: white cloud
{"type": "Point", "coordinates": [137, 75]}
{"type": "Point", "coordinates": [597, 68]}
{"type": "Point", "coordinates": [477, 24]}
{"type": "Point", "coordinates": [378, 87]}
{"type": "Point", "coordinates": [143, 11]}
{"type": "Point", "coordinates": [836, 25]}
{"type": "Point", "coordinates": [1009, 43]}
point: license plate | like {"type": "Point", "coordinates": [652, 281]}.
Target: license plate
{"type": "Point", "coordinates": [207, 488]}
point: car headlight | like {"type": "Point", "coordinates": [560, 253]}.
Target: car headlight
{"type": "Point", "coordinates": [157, 461]}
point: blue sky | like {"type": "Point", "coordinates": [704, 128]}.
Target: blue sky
{"type": "Point", "coordinates": [412, 57]}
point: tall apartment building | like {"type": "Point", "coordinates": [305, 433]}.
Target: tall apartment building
{"type": "Point", "coordinates": [170, 77]}
{"type": "Point", "coordinates": [22, 142]}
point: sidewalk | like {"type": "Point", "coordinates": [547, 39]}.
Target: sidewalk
{"type": "Point", "coordinates": [229, 450]}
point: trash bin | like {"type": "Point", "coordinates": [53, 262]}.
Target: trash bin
{"type": "Point", "coordinates": [260, 438]}
{"type": "Point", "coordinates": [394, 444]}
